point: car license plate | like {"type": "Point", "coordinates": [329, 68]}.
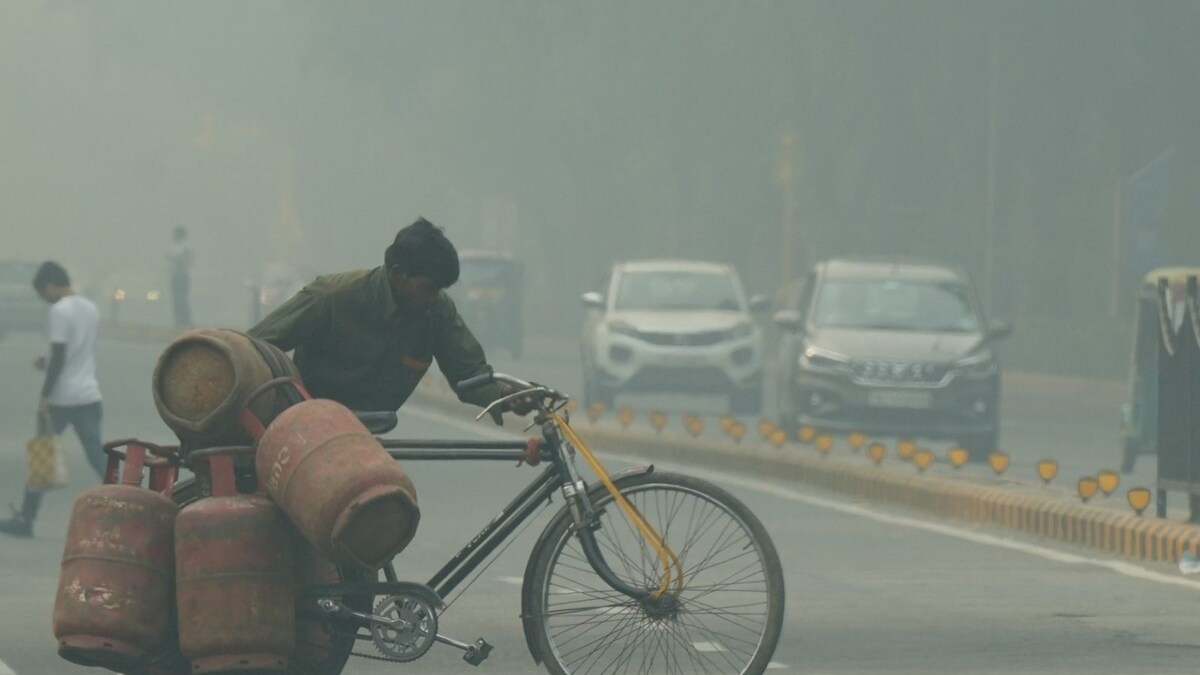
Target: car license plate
{"type": "Point", "coordinates": [892, 398]}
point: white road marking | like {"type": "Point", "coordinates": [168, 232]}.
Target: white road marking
{"type": "Point", "coordinates": [702, 646]}
{"type": "Point", "coordinates": [515, 581]}
{"type": "Point", "coordinates": [1120, 567]}
{"type": "Point", "coordinates": [5, 670]}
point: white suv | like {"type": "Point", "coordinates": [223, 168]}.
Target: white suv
{"type": "Point", "coordinates": [673, 326]}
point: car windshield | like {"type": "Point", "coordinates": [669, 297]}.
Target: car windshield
{"type": "Point", "coordinates": [677, 291]}
{"type": "Point", "coordinates": [896, 305]}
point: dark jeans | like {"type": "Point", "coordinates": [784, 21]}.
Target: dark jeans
{"type": "Point", "coordinates": [180, 300]}
{"type": "Point", "coordinates": [85, 419]}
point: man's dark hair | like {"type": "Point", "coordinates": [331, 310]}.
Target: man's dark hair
{"type": "Point", "coordinates": [50, 273]}
{"type": "Point", "coordinates": [422, 250]}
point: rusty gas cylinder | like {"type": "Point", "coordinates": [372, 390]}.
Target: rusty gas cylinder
{"type": "Point", "coordinates": [336, 483]}
{"type": "Point", "coordinates": [116, 580]}
{"type": "Point", "coordinates": [202, 381]}
{"type": "Point", "coordinates": [234, 576]}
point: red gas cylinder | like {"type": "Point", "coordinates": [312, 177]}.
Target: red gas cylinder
{"type": "Point", "coordinates": [234, 576]}
{"type": "Point", "coordinates": [114, 587]}
{"type": "Point", "coordinates": [334, 480]}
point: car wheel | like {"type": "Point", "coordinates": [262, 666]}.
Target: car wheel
{"type": "Point", "coordinates": [1129, 453]}
{"type": "Point", "coordinates": [981, 445]}
{"type": "Point", "coordinates": [746, 401]}
{"type": "Point", "coordinates": [594, 392]}
{"type": "Point", "coordinates": [786, 414]}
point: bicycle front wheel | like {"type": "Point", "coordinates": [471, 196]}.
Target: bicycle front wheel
{"type": "Point", "coordinates": [724, 617]}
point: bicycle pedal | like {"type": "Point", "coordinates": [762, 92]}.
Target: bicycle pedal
{"type": "Point", "coordinates": [478, 652]}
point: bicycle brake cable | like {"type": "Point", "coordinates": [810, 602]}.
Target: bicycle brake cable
{"type": "Point", "coordinates": [647, 530]}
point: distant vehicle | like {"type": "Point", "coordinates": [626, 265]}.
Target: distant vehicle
{"type": "Point", "coordinates": [1139, 417]}
{"type": "Point", "coordinates": [673, 326]}
{"type": "Point", "coordinates": [490, 296]}
{"type": "Point", "coordinates": [890, 347]}
{"type": "Point", "coordinates": [20, 307]}
{"type": "Point", "coordinates": [134, 296]}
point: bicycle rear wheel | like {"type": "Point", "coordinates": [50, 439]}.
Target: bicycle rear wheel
{"type": "Point", "coordinates": [726, 618]}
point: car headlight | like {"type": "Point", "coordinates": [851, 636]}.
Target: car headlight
{"type": "Point", "coordinates": [979, 365]}
{"type": "Point", "coordinates": [622, 328]}
{"type": "Point", "coordinates": [820, 359]}
{"type": "Point", "coordinates": [742, 330]}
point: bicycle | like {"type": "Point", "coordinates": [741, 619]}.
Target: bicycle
{"type": "Point", "coordinates": [646, 570]}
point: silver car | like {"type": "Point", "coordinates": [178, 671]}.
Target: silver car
{"type": "Point", "coordinates": [891, 347]}
{"type": "Point", "coordinates": [673, 326]}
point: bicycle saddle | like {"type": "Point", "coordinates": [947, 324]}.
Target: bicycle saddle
{"type": "Point", "coordinates": [377, 422]}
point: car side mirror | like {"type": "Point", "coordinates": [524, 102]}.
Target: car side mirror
{"type": "Point", "coordinates": [788, 319]}
{"type": "Point", "coordinates": [593, 300]}
{"type": "Point", "coordinates": [998, 330]}
{"type": "Point", "coordinates": [758, 303]}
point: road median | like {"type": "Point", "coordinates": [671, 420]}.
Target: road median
{"type": "Point", "coordinates": [1025, 506]}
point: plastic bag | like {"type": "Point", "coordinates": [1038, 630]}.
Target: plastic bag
{"type": "Point", "coordinates": [45, 463]}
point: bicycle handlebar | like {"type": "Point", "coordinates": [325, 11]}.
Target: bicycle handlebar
{"type": "Point", "coordinates": [478, 381]}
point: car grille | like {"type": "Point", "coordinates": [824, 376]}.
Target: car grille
{"type": "Point", "coordinates": [899, 372]}
{"type": "Point", "coordinates": [656, 378]}
{"type": "Point", "coordinates": [685, 339]}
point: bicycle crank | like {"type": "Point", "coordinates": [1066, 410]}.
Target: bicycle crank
{"type": "Point", "coordinates": [404, 627]}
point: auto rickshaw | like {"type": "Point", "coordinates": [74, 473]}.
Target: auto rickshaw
{"type": "Point", "coordinates": [489, 295]}
{"type": "Point", "coordinates": [1139, 417]}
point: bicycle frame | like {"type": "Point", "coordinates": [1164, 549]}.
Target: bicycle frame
{"type": "Point", "coordinates": [557, 476]}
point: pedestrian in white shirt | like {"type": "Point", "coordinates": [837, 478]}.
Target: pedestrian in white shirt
{"type": "Point", "coordinates": [70, 393]}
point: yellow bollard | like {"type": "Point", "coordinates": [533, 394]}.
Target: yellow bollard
{"type": "Point", "coordinates": [1047, 469]}
{"type": "Point", "coordinates": [1108, 482]}
{"type": "Point", "coordinates": [766, 428]}
{"type": "Point", "coordinates": [1139, 499]}
{"type": "Point", "coordinates": [877, 451]}
{"type": "Point", "coordinates": [625, 416]}
{"type": "Point", "coordinates": [779, 438]}
{"type": "Point", "coordinates": [958, 456]}
{"type": "Point", "coordinates": [595, 411]}
{"type": "Point", "coordinates": [999, 462]}
{"type": "Point", "coordinates": [806, 434]}
{"type": "Point", "coordinates": [658, 420]}
{"type": "Point", "coordinates": [824, 444]}
{"type": "Point", "coordinates": [1087, 487]}
{"type": "Point", "coordinates": [856, 439]}
{"type": "Point", "coordinates": [737, 431]}
{"type": "Point", "coordinates": [924, 459]}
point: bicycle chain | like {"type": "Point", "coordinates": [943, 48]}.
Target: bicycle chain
{"type": "Point", "coordinates": [376, 657]}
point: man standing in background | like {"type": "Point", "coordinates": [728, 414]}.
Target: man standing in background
{"type": "Point", "coordinates": [70, 393]}
{"type": "Point", "coordinates": [181, 270]}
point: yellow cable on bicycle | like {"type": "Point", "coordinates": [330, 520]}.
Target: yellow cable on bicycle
{"type": "Point", "coordinates": [647, 530]}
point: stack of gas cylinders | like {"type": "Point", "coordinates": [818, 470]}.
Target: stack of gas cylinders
{"type": "Point", "coordinates": [291, 489]}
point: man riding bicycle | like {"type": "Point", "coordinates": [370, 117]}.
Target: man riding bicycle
{"type": "Point", "coordinates": [366, 338]}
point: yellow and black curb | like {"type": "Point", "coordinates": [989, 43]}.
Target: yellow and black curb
{"type": "Point", "coordinates": [1069, 522]}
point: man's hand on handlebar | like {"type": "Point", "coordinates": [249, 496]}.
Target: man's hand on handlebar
{"type": "Point", "coordinates": [521, 405]}
{"type": "Point", "coordinates": [511, 398]}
